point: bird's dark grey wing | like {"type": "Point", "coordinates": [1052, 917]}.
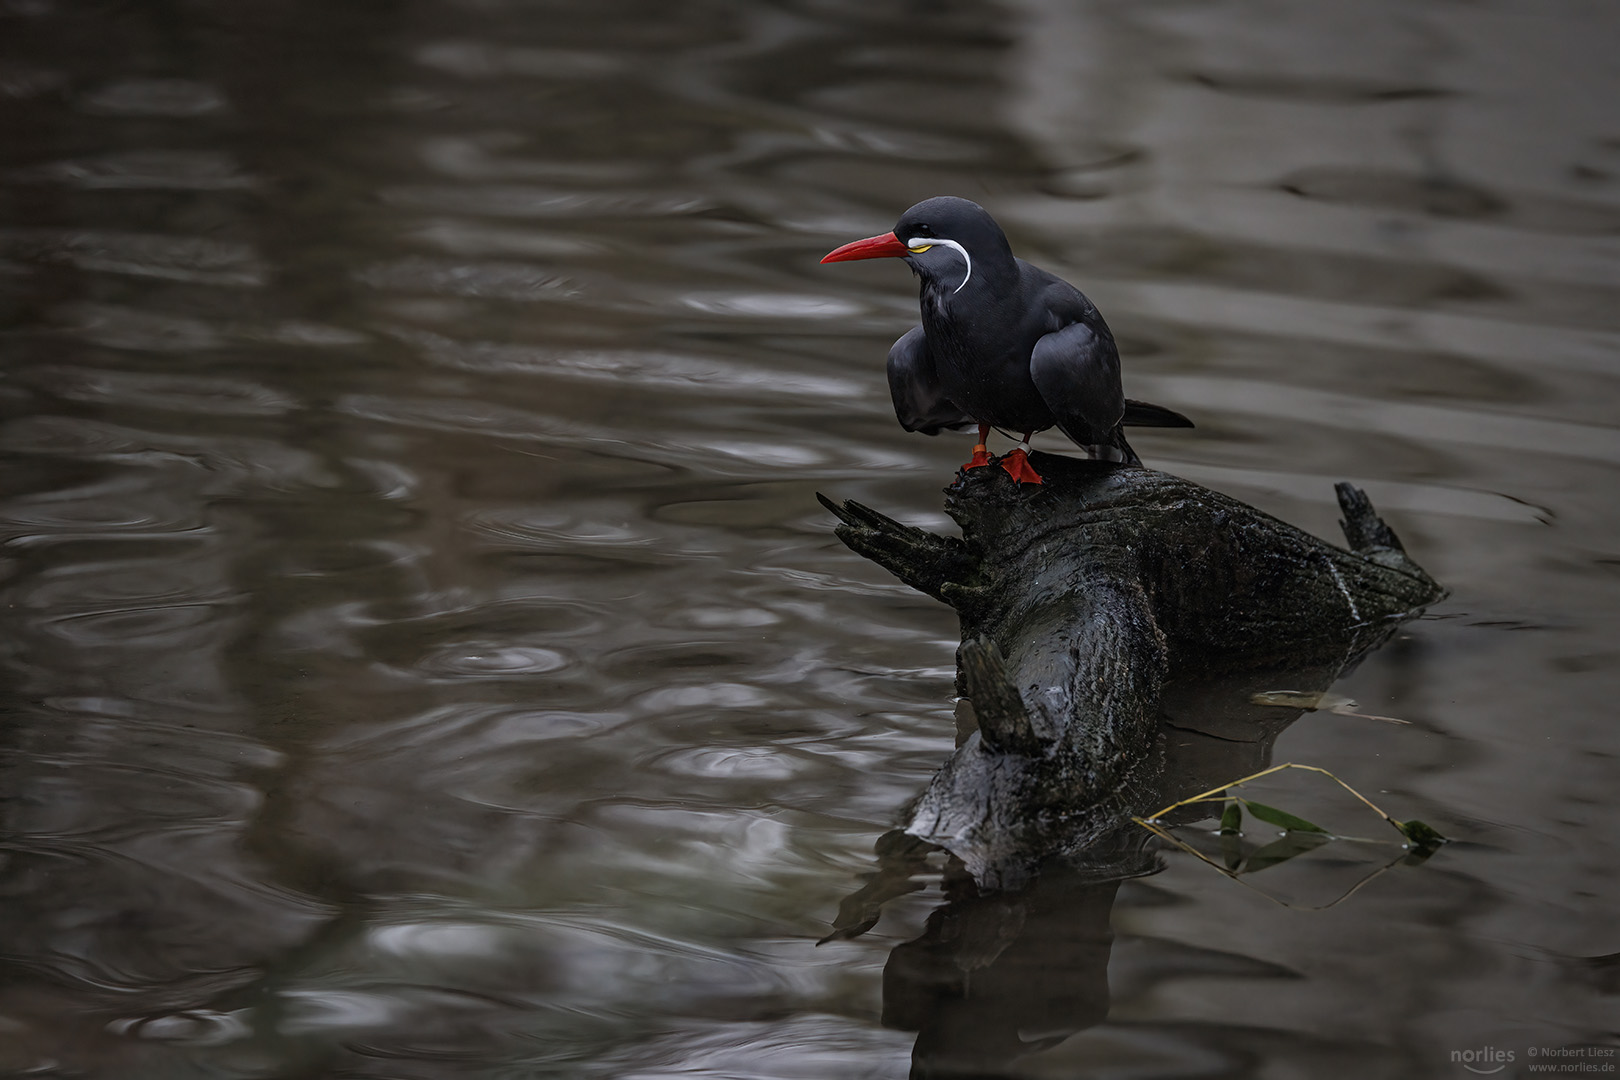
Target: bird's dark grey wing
{"type": "Point", "coordinates": [1077, 373]}
{"type": "Point", "coordinates": [919, 403]}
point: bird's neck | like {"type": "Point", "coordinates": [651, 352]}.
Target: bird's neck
{"type": "Point", "coordinates": [987, 285]}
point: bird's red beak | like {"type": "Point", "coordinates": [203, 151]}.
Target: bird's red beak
{"type": "Point", "coordinates": [873, 247]}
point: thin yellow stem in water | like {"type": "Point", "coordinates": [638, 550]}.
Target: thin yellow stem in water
{"type": "Point", "coordinates": [1218, 794]}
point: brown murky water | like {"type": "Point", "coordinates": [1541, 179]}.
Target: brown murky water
{"type": "Point", "coordinates": [423, 653]}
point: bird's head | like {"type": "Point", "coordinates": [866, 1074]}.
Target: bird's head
{"type": "Point", "coordinates": [944, 239]}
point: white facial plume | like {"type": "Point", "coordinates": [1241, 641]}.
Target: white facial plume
{"type": "Point", "coordinates": [920, 244]}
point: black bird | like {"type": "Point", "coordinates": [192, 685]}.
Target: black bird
{"type": "Point", "coordinates": [1002, 344]}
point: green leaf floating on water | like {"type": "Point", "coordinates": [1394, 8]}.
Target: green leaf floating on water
{"type": "Point", "coordinates": [1425, 841]}
{"type": "Point", "coordinates": [1282, 818]}
{"type": "Point", "coordinates": [1301, 836]}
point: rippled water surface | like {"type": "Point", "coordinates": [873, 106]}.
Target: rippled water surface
{"type": "Point", "coordinates": [424, 655]}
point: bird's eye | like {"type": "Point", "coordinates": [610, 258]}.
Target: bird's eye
{"type": "Point", "coordinates": [920, 235]}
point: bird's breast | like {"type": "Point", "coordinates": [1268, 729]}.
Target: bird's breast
{"type": "Point", "coordinates": [984, 369]}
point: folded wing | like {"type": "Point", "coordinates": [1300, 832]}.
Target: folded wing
{"type": "Point", "coordinates": [919, 403]}
{"type": "Point", "coordinates": [1077, 373]}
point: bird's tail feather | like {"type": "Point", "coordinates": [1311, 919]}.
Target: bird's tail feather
{"type": "Point", "coordinates": [1143, 414]}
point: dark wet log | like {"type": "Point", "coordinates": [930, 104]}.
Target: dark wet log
{"type": "Point", "coordinates": [1079, 599]}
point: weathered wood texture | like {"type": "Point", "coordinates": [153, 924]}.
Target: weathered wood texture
{"type": "Point", "coordinates": [1079, 598]}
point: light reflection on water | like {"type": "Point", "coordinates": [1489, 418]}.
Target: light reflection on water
{"type": "Point", "coordinates": [424, 655]}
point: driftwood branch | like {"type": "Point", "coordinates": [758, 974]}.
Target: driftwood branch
{"type": "Point", "coordinates": [1080, 599]}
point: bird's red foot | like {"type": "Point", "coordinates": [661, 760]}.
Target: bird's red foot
{"type": "Point", "coordinates": [1018, 467]}
{"type": "Point", "coordinates": [981, 457]}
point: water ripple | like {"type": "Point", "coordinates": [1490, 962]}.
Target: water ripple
{"type": "Point", "coordinates": [664, 370]}
{"type": "Point", "coordinates": [753, 763]}
{"type": "Point", "coordinates": [172, 258]}
{"type": "Point", "coordinates": [489, 280]}
{"type": "Point", "coordinates": [28, 81]}
{"type": "Point", "coordinates": [470, 416]}
{"type": "Point", "coordinates": [550, 530]}
{"type": "Point", "coordinates": [519, 201]}
{"type": "Point", "coordinates": [1496, 341]}
{"type": "Point", "coordinates": [224, 463]}
{"type": "Point", "coordinates": [193, 1027]}
{"type": "Point", "coordinates": [497, 729]}
{"type": "Point", "coordinates": [478, 157]}
{"type": "Point", "coordinates": [719, 695]}
{"type": "Point", "coordinates": [720, 457]}
{"type": "Point", "coordinates": [210, 395]}
{"type": "Point", "coordinates": [773, 305]}
{"type": "Point", "coordinates": [482, 60]}
{"type": "Point", "coordinates": [490, 660]}
{"type": "Point", "coordinates": [158, 626]}
{"type": "Point", "coordinates": [170, 170]}
{"type": "Point", "coordinates": [156, 97]}
{"type": "Point", "coordinates": [143, 331]}
{"type": "Point", "coordinates": [1424, 423]}
{"type": "Point", "coordinates": [124, 504]}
